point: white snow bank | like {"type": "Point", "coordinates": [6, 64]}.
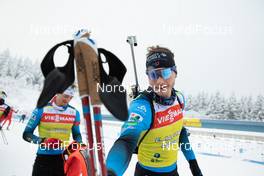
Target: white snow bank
{"type": "Point", "coordinates": [18, 156]}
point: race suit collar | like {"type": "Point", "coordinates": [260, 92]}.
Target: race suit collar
{"type": "Point", "coordinates": [165, 101]}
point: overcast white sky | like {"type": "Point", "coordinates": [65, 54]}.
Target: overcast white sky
{"type": "Point", "coordinates": [218, 44]}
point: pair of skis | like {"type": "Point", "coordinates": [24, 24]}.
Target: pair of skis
{"type": "Point", "coordinates": [86, 58]}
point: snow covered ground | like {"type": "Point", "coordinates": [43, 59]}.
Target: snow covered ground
{"type": "Point", "coordinates": [217, 156]}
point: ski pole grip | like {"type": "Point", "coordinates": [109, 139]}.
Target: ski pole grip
{"type": "Point", "coordinates": [132, 40]}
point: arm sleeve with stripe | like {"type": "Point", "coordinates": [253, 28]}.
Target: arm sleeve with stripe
{"type": "Point", "coordinates": [28, 134]}
{"type": "Point", "coordinates": [139, 120]}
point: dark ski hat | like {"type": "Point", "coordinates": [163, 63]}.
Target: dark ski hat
{"type": "Point", "coordinates": [159, 57]}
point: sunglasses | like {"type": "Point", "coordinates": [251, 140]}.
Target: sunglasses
{"type": "Point", "coordinates": [164, 73]}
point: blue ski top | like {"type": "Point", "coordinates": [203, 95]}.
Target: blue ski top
{"type": "Point", "coordinates": [159, 149]}
{"type": "Point", "coordinates": [53, 122]}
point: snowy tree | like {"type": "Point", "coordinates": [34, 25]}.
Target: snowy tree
{"type": "Point", "coordinates": [249, 105]}
{"type": "Point", "coordinates": [18, 66]}
{"type": "Point", "coordinates": [246, 106]}
{"type": "Point", "coordinates": [4, 57]}
{"type": "Point", "coordinates": [26, 70]}
{"type": "Point", "coordinates": [202, 101]}
{"type": "Point", "coordinates": [232, 110]}
{"type": "Point", "coordinates": [22, 69]}
{"type": "Point", "coordinates": [216, 106]}
{"type": "Point", "coordinates": [195, 103]}
{"type": "Point", "coordinates": [219, 107]}
{"type": "Point", "coordinates": [188, 104]}
{"type": "Point", "coordinates": [243, 107]}
{"type": "Point", "coordinates": [36, 74]}
{"type": "Point", "coordinates": [258, 109]}
{"type": "Point", "coordinates": [10, 66]}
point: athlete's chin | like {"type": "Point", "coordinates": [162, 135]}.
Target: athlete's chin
{"type": "Point", "coordinates": [164, 93]}
{"type": "Point", "coordinates": [64, 103]}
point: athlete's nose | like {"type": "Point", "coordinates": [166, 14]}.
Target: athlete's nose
{"type": "Point", "coordinates": [160, 80]}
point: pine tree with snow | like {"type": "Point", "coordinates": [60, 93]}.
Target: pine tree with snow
{"type": "Point", "coordinates": [10, 66]}
{"type": "Point", "coordinates": [202, 101]}
{"type": "Point", "coordinates": [246, 106]}
{"type": "Point", "coordinates": [4, 57]}
{"type": "Point", "coordinates": [258, 109]}
{"type": "Point", "coordinates": [188, 103]}
{"type": "Point", "coordinates": [232, 110]}
{"type": "Point", "coordinates": [18, 66]}
{"type": "Point", "coordinates": [36, 74]}
{"type": "Point", "coordinates": [216, 106]}
{"type": "Point", "coordinates": [243, 115]}
{"type": "Point", "coordinates": [195, 103]}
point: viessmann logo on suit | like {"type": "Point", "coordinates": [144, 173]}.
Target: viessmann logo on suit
{"type": "Point", "coordinates": [58, 118]}
{"type": "Point", "coordinates": [168, 116]}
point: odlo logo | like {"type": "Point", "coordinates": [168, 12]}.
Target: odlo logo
{"type": "Point", "coordinates": [156, 158]}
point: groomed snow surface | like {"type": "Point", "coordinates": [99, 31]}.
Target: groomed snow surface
{"type": "Point", "coordinates": [217, 156]}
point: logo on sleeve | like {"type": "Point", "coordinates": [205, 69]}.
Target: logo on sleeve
{"type": "Point", "coordinates": [134, 119]}
{"type": "Point", "coordinates": [32, 118]}
{"type": "Point", "coordinates": [142, 108]}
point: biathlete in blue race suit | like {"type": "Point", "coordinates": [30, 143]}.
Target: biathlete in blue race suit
{"type": "Point", "coordinates": [56, 122]}
{"type": "Point", "coordinates": [157, 151]}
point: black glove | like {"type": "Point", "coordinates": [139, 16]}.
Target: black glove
{"type": "Point", "coordinates": [111, 173]}
{"type": "Point", "coordinates": [195, 168]}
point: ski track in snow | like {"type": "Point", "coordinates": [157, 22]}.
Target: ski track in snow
{"type": "Point", "coordinates": [18, 156]}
